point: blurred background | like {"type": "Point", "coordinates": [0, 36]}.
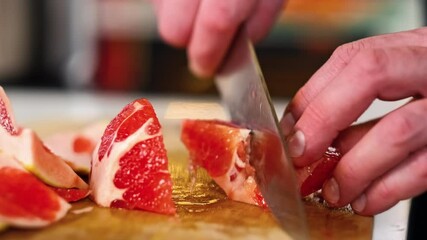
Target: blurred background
{"type": "Point", "coordinates": [113, 45]}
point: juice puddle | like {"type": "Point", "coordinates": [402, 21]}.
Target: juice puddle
{"type": "Point", "coordinates": [193, 191]}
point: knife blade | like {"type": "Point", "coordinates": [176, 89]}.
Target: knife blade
{"type": "Point", "coordinates": [244, 93]}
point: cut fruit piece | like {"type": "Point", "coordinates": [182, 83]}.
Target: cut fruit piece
{"type": "Point", "coordinates": [25, 146]}
{"type": "Point", "coordinates": [71, 194]}
{"type": "Point", "coordinates": [25, 201]}
{"type": "Point", "coordinates": [77, 146]}
{"type": "Point", "coordinates": [7, 119]}
{"type": "Point", "coordinates": [223, 150]}
{"type": "Point", "coordinates": [130, 166]}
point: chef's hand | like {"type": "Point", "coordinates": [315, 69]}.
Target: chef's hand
{"type": "Point", "coordinates": [206, 27]}
{"type": "Point", "coordinates": [385, 160]}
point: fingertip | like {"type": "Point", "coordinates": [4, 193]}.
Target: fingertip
{"type": "Point", "coordinates": [296, 144]}
{"type": "Point", "coordinates": [199, 71]}
{"type": "Point", "coordinates": [359, 204]}
{"type": "Point", "coordinates": [176, 21]}
{"type": "Point", "coordinates": [173, 34]}
{"type": "Point", "coordinates": [287, 123]}
{"type": "Point", "coordinates": [331, 191]}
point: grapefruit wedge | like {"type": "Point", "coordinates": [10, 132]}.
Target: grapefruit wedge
{"type": "Point", "coordinates": [24, 200]}
{"type": "Point", "coordinates": [77, 147]}
{"type": "Point", "coordinates": [223, 150]}
{"type": "Point", "coordinates": [129, 165]}
{"type": "Point", "coordinates": [24, 145]}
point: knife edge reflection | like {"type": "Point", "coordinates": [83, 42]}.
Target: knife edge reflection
{"type": "Point", "coordinates": [243, 90]}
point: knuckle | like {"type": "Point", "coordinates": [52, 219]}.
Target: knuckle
{"type": "Point", "coordinates": [402, 129]}
{"type": "Point", "coordinates": [347, 51]}
{"type": "Point", "coordinates": [317, 116]}
{"type": "Point", "coordinates": [373, 65]}
{"type": "Point", "coordinates": [419, 34]}
{"type": "Point", "coordinates": [348, 173]}
{"type": "Point", "coordinates": [420, 166]}
{"type": "Point", "coordinates": [302, 97]}
{"type": "Point", "coordinates": [385, 191]}
{"type": "Point", "coordinates": [223, 20]}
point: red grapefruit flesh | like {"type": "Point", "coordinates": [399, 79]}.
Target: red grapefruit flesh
{"type": "Point", "coordinates": [7, 119]}
{"type": "Point", "coordinates": [25, 201]}
{"type": "Point", "coordinates": [130, 166]}
{"type": "Point", "coordinates": [24, 145]}
{"type": "Point", "coordinates": [222, 149]}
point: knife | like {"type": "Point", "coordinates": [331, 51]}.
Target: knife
{"type": "Point", "coordinates": [244, 93]}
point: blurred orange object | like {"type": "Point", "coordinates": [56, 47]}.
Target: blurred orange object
{"type": "Point", "coordinates": [329, 12]}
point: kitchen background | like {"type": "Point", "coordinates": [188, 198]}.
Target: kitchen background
{"type": "Point", "coordinates": [112, 45]}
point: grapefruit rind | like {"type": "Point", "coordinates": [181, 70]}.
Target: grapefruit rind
{"type": "Point", "coordinates": [28, 149]}
{"type": "Point", "coordinates": [24, 145]}
{"type": "Point", "coordinates": [68, 145]}
{"type": "Point", "coordinates": [29, 219]}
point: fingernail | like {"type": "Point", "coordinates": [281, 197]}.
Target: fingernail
{"type": "Point", "coordinates": [331, 191]}
{"type": "Point", "coordinates": [296, 144]}
{"type": "Point", "coordinates": [287, 123]}
{"type": "Point", "coordinates": [359, 204]}
{"type": "Point", "coordinates": [198, 70]}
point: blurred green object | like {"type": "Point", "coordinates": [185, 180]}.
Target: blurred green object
{"type": "Point", "coordinates": [337, 21]}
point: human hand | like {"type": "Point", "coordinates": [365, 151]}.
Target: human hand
{"type": "Point", "coordinates": [384, 160]}
{"type": "Point", "coordinates": [206, 27]}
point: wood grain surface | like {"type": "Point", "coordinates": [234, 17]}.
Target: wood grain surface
{"type": "Point", "coordinates": [204, 212]}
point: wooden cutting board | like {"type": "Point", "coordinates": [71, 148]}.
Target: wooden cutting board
{"type": "Point", "coordinates": [204, 212]}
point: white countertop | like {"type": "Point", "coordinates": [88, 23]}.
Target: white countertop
{"type": "Point", "coordinates": [38, 105]}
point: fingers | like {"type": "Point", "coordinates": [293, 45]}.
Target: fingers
{"type": "Point", "coordinates": [176, 20]}
{"type": "Point", "coordinates": [341, 58]}
{"type": "Point", "coordinates": [216, 24]}
{"type": "Point", "coordinates": [407, 180]}
{"type": "Point", "coordinates": [350, 136]}
{"type": "Point", "coordinates": [388, 74]}
{"type": "Point", "coordinates": [377, 157]}
{"type": "Point", "coordinates": [263, 18]}
{"type": "Point", "coordinates": [207, 27]}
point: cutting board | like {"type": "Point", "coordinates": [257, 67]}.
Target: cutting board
{"type": "Point", "coordinates": [203, 212]}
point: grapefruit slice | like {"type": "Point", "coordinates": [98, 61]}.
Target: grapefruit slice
{"type": "Point", "coordinates": [77, 147]}
{"type": "Point", "coordinates": [71, 194]}
{"type": "Point", "coordinates": [7, 118]}
{"type": "Point", "coordinates": [223, 148]}
{"type": "Point", "coordinates": [25, 201]}
{"type": "Point", "coordinates": [24, 145]}
{"type": "Point", "coordinates": [129, 165]}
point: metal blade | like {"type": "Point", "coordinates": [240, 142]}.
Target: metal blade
{"type": "Point", "coordinates": [244, 92]}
